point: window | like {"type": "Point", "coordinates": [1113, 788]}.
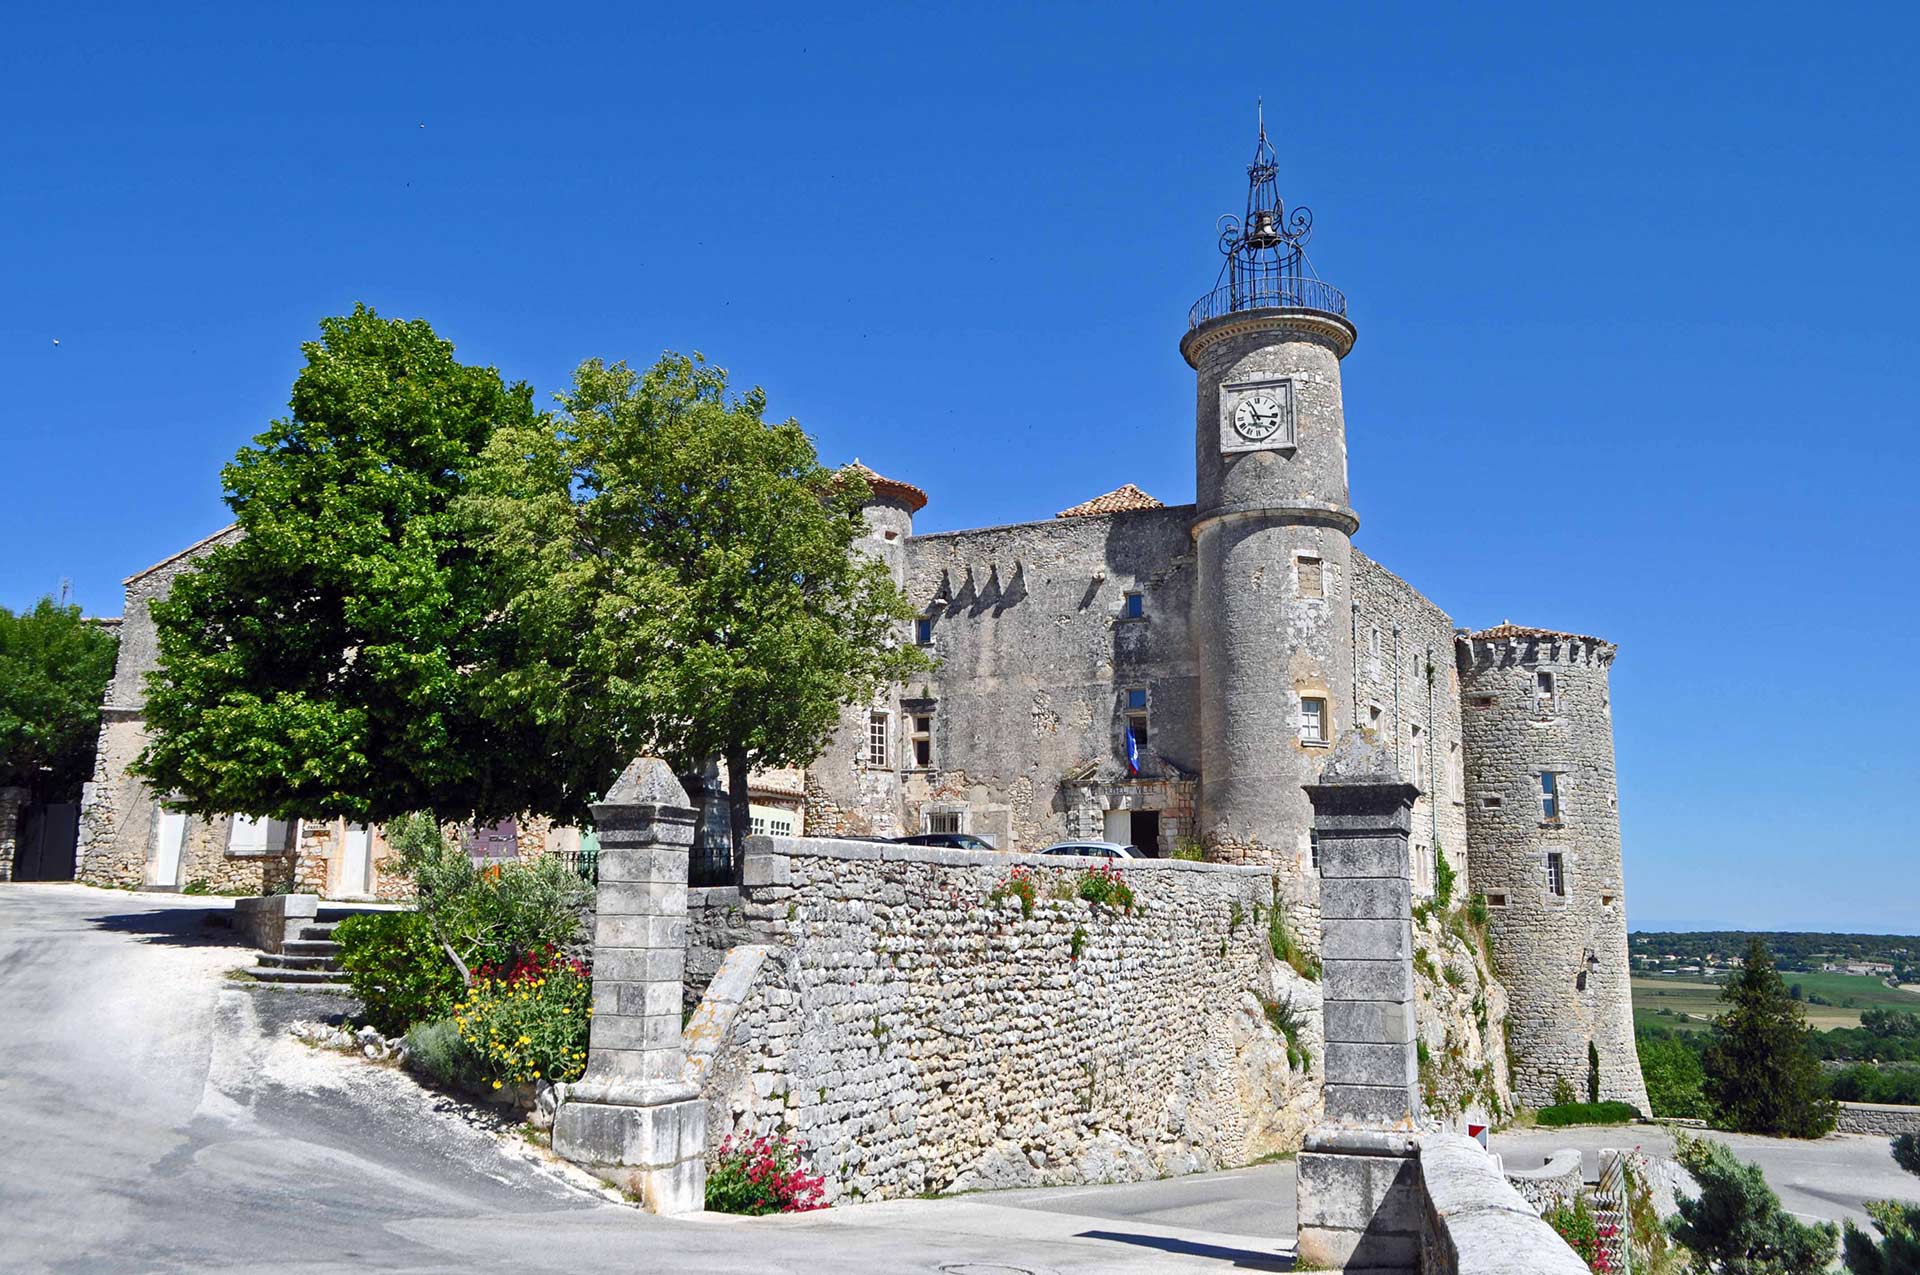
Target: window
{"type": "Point", "coordinates": [1543, 689]}
{"type": "Point", "coordinates": [1556, 875]}
{"type": "Point", "coordinates": [879, 734]}
{"type": "Point", "coordinates": [250, 836]}
{"type": "Point", "coordinates": [1313, 583]}
{"type": "Point", "coordinates": [923, 630]}
{"type": "Point", "coordinates": [890, 534]}
{"type": "Point", "coordinates": [765, 822]}
{"type": "Point", "coordinates": [1497, 900]}
{"type": "Point", "coordinates": [943, 821]}
{"type": "Point", "coordinates": [1313, 719]}
{"type": "Point", "coordinates": [1135, 607]}
{"type": "Point", "coordinates": [1492, 803]}
{"type": "Point", "coordinates": [1422, 870]}
{"type": "Point", "coordinates": [1313, 849]}
{"type": "Point", "coordinates": [1549, 795]}
{"type": "Point", "coordinates": [1417, 745]}
{"type": "Point", "coordinates": [1373, 640]}
{"type": "Point", "coordinates": [923, 741]}
{"type": "Point", "coordinates": [1137, 715]}
{"type": "Point", "coordinates": [1483, 701]}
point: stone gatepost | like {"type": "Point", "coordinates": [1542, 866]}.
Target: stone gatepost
{"type": "Point", "coordinates": [1359, 1172]}
{"type": "Point", "coordinates": [636, 1117]}
{"type": "Point", "coordinates": [12, 802]}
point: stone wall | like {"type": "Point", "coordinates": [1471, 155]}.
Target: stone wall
{"type": "Point", "coordinates": [716, 923]}
{"type": "Point", "coordinates": [1554, 1183]}
{"type": "Point", "coordinates": [1562, 956]}
{"type": "Point", "coordinates": [1476, 1223]}
{"type": "Point", "coordinates": [1884, 1120]}
{"type": "Point", "coordinates": [918, 1036]}
{"type": "Point", "coordinates": [1407, 692]}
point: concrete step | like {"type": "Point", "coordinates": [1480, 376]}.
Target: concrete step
{"type": "Point", "coordinates": [331, 989]}
{"type": "Point", "coordinates": [296, 961]}
{"type": "Point", "coordinates": [283, 974]}
{"type": "Point", "coordinates": [310, 947]}
{"type": "Point", "coordinates": [318, 931]}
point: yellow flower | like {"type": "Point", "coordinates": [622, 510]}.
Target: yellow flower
{"type": "Point", "coordinates": [496, 1084]}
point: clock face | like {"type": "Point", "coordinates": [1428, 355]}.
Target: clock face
{"type": "Point", "coordinates": [1257, 418]}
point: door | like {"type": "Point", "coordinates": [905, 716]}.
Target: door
{"type": "Point", "coordinates": [1145, 832]}
{"type": "Point", "coordinates": [170, 839]}
{"type": "Point", "coordinates": [356, 861]}
{"type": "Point", "coordinates": [1119, 827]}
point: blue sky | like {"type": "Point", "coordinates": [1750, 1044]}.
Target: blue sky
{"type": "Point", "coordinates": [1635, 291]}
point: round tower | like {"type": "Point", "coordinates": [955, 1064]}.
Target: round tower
{"type": "Point", "coordinates": [1543, 848]}
{"type": "Point", "coordinates": [1272, 531]}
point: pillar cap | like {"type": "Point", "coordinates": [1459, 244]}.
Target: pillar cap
{"type": "Point", "coordinates": [647, 781]}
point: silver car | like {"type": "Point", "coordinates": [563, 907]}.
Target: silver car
{"type": "Point", "coordinates": [1094, 850]}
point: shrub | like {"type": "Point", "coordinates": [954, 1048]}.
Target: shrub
{"type": "Point", "coordinates": [1735, 1226]}
{"type": "Point", "coordinates": [529, 1021]}
{"type": "Point", "coordinates": [1443, 878]}
{"type": "Point", "coordinates": [759, 1176]}
{"type": "Point", "coordinates": [436, 1051]}
{"type": "Point", "coordinates": [397, 969]}
{"type": "Point", "coordinates": [1563, 1095]}
{"type": "Point", "coordinates": [1577, 1225]}
{"type": "Point", "coordinates": [1651, 1250]}
{"type": "Point", "coordinates": [1567, 1113]}
{"type": "Point", "coordinates": [1286, 1020]}
{"type": "Point", "coordinates": [1190, 849]}
{"type": "Point", "coordinates": [1593, 1072]}
{"type": "Point", "coordinates": [1674, 1079]}
{"type": "Point", "coordinates": [1898, 1250]}
{"type": "Point", "coordinates": [1864, 1082]}
{"type": "Point", "coordinates": [1285, 946]}
{"type": "Point", "coordinates": [1105, 884]}
{"type": "Point", "coordinates": [1017, 884]}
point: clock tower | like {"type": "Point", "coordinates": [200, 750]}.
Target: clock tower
{"type": "Point", "coordinates": [1272, 532]}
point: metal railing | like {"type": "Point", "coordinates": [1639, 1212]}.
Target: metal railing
{"type": "Point", "coordinates": [585, 861]}
{"type": "Point", "coordinates": [1271, 292]}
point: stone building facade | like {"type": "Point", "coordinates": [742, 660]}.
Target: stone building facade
{"type": "Point", "coordinates": [1172, 676]}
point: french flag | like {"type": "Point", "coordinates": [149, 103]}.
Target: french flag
{"type": "Point", "coordinates": [1133, 752]}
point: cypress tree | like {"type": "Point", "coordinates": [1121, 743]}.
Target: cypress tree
{"type": "Point", "coordinates": [1762, 1075]}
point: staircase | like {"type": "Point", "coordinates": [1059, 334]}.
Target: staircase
{"type": "Point", "coordinates": [305, 962]}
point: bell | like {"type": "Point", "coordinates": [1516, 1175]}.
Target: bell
{"type": "Point", "coordinates": [1264, 230]}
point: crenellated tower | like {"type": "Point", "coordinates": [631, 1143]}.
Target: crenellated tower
{"type": "Point", "coordinates": [1543, 846]}
{"type": "Point", "coordinates": [1272, 530]}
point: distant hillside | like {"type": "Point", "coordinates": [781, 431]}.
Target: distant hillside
{"type": "Point", "coordinates": [1653, 950]}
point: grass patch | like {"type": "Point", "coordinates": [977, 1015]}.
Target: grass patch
{"type": "Point", "coordinates": [1285, 946]}
{"type": "Point", "coordinates": [1567, 1113]}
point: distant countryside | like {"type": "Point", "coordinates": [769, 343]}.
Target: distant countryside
{"type": "Point", "coordinates": [1860, 993]}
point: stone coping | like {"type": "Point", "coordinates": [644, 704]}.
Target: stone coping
{"type": "Point", "coordinates": [713, 896]}
{"type": "Point", "coordinates": [1558, 1165]}
{"type": "Point", "coordinates": [1478, 1222]}
{"type": "Point", "coordinates": [893, 852]}
{"type": "Point", "coordinates": [1891, 1108]}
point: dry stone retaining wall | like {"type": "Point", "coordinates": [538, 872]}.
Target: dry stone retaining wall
{"type": "Point", "coordinates": [918, 1037]}
{"type": "Point", "coordinates": [1878, 1118]}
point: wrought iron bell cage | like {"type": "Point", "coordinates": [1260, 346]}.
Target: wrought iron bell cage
{"type": "Point", "coordinates": [1266, 264]}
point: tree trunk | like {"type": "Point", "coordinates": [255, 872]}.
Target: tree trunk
{"type": "Point", "coordinates": [737, 802]}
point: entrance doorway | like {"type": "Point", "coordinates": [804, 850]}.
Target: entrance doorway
{"type": "Point", "coordinates": [1145, 830]}
{"type": "Point", "coordinates": [356, 861]}
{"type": "Point", "coordinates": [170, 839]}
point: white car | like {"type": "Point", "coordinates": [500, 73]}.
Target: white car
{"type": "Point", "coordinates": [1094, 849]}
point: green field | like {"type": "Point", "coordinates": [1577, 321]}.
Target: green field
{"type": "Point", "coordinates": [1692, 1001]}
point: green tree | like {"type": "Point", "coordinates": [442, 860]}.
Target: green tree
{"type": "Point", "coordinates": [1762, 1074]}
{"type": "Point", "coordinates": [338, 658]}
{"type": "Point", "coordinates": [1675, 1080]}
{"type": "Point", "coordinates": [1898, 1250]}
{"type": "Point", "coordinates": [54, 669]}
{"type": "Point", "coordinates": [687, 572]}
{"type": "Point", "coordinates": [1735, 1226]}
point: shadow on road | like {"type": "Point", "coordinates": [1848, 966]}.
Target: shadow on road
{"type": "Point", "coordinates": [173, 926]}
{"type": "Point", "coordinates": [1244, 1259]}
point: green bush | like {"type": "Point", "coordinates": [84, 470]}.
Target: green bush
{"type": "Point", "coordinates": [1897, 1251]}
{"type": "Point", "coordinates": [1736, 1225]}
{"type": "Point", "coordinates": [1577, 1225]}
{"type": "Point", "coordinates": [1105, 884]}
{"type": "Point", "coordinates": [397, 969]}
{"type": "Point", "coordinates": [1285, 946]}
{"type": "Point", "coordinates": [1675, 1081]}
{"type": "Point", "coordinates": [528, 1022]}
{"type": "Point", "coordinates": [436, 1051]}
{"type": "Point", "coordinates": [1567, 1113]}
{"type": "Point", "coordinates": [1190, 849]}
{"type": "Point", "coordinates": [758, 1176]}
{"type": "Point", "coordinates": [1864, 1082]}
{"type": "Point", "coordinates": [1443, 878]}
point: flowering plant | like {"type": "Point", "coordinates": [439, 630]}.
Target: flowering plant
{"type": "Point", "coordinates": [528, 1021]}
{"type": "Point", "coordinates": [1017, 884]}
{"type": "Point", "coordinates": [762, 1175]}
{"type": "Point", "coordinates": [1105, 884]}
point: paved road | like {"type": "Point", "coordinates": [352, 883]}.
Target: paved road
{"type": "Point", "coordinates": [156, 1117]}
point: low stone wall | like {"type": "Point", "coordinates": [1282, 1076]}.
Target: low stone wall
{"type": "Point", "coordinates": [1880, 1119]}
{"type": "Point", "coordinates": [1554, 1183]}
{"type": "Point", "coordinates": [917, 1036]}
{"type": "Point", "coordinates": [1476, 1223]}
{"type": "Point", "coordinates": [716, 923]}
{"type": "Point", "coordinates": [268, 922]}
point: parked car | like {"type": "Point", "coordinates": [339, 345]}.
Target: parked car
{"type": "Point", "coordinates": [1094, 849]}
{"type": "Point", "coordinates": [946, 841]}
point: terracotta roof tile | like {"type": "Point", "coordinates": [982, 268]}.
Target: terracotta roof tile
{"type": "Point", "coordinates": [1508, 629]}
{"type": "Point", "coordinates": [893, 488]}
{"type": "Point", "coordinates": [1123, 499]}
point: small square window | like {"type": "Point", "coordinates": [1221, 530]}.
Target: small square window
{"type": "Point", "coordinates": [1492, 803]}
{"type": "Point", "coordinates": [1312, 574]}
{"type": "Point", "coordinates": [892, 535]}
{"type": "Point", "coordinates": [1313, 719]}
{"type": "Point", "coordinates": [1483, 701]}
{"type": "Point", "coordinates": [923, 630]}
{"type": "Point", "coordinates": [943, 821]}
{"type": "Point", "coordinates": [1136, 699]}
{"type": "Point", "coordinates": [1135, 607]}
{"type": "Point", "coordinates": [1549, 795]}
{"type": "Point", "coordinates": [1497, 899]}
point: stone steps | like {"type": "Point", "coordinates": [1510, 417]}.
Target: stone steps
{"type": "Point", "coordinates": [306, 962]}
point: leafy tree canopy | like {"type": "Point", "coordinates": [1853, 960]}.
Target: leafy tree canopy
{"type": "Point", "coordinates": [54, 669]}
{"type": "Point", "coordinates": [335, 660]}
{"type": "Point", "coordinates": [688, 573]}
{"type": "Point", "coordinates": [1762, 1075]}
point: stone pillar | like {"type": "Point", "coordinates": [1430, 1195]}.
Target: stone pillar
{"type": "Point", "coordinates": [1359, 1173]}
{"type": "Point", "coordinates": [636, 1117]}
{"type": "Point", "coordinates": [12, 802]}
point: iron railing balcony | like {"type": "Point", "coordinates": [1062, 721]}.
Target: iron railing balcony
{"type": "Point", "coordinates": [1268, 292]}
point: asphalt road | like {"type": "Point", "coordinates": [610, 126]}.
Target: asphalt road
{"type": "Point", "coordinates": [156, 1117]}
